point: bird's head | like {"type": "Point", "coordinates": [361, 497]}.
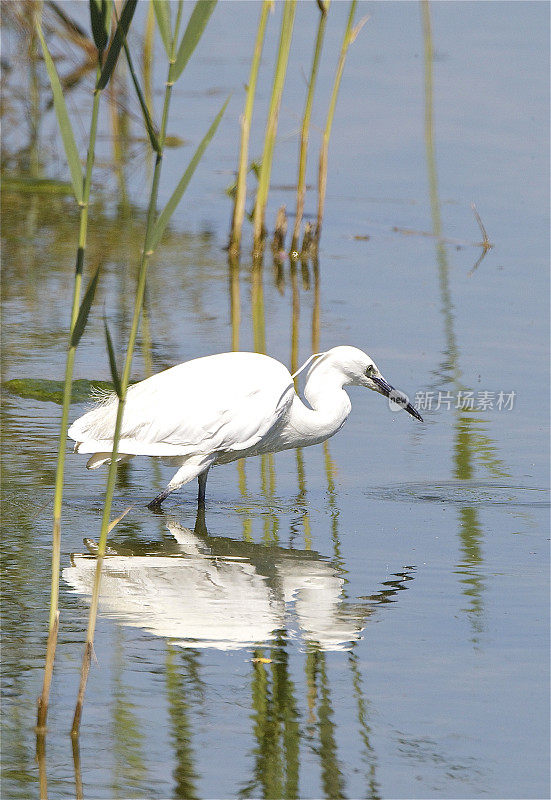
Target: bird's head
{"type": "Point", "coordinates": [358, 369]}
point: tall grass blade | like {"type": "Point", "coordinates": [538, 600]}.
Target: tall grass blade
{"type": "Point", "coordinates": [116, 521]}
{"type": "Point", "coordinates": [41, 761]}
{"type": "Point", "coordinates": [79, 791]}
{"type": "Point", "coordinates": [170, 207]}
{"type": "Point", "coordinates": [112, 360]}
{"type": "Point", "coordinates": [63, 121]}
{"type": "Point", "coordinates": [118, 40]}
{"type": "Point", "coordinates": [48, 672]}
{"type": "Point", "coordinates": [195, 27]}
{"type": "Point", "coordinates": [100, 16]}
{"type": "Point", "coordinates": [162, 15]}
{"type": "Point", "coordinates": [84, 310]}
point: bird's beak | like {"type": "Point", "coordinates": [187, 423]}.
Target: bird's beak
{"type": "Point", "coordinates": [397, 397]}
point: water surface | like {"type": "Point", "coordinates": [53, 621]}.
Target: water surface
{"type": "Point", "coordinates": [365, 619]}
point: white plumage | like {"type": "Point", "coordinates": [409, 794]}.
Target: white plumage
{"type": "Point", "coordinates": [224, 407]}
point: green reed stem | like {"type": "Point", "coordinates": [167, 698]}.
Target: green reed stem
{"type": "Point", "coordinates": [62, 446]}
{"type": "Point", "coordinates": [235, 301]}
{"type": "Point", "coordinates": [271, 125]}
{"type": "Point", "coordinates": [303, 151]}
{"type": "Point", "coordinates": [112, 474]}
{"type": "Point", "coordinates": [350, 34]}
{"type": "Point", "coordinates": [241, 190]}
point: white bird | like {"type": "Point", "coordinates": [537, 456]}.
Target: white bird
{"type": "Point", "coordinates": [219, 408]}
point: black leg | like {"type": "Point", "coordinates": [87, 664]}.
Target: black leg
{"type": "Point", "coordinates": [200, 524]}
{"type": "Point", "coordinates": [202, 481]}
{"type": "Point", "coordinates": [155, 504]}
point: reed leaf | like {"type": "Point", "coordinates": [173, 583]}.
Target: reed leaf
{"type": "Point", "coordinates": [150, 127]}
{"type": "Point", "coordinates": [100, 15]}
{"type": "Point", "coordinates": [162, 15]}
{"type": "Point", "coordinates": [63, 121]}
{"type": "Point", "coordinates": [84, 310]}
{"type": "Point", "coordinates": [118, 39]}
{"type": "Point", "coordinates": [112, 360]}
{"type": "Point", "coordinates": [116, 521]}
{"type": "Point", "coordinates": [195, 27]}
{"type": "Point", "coordinates": [170, 207]}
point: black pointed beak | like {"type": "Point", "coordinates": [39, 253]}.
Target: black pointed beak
{"type": "Point", "coordinates": [397, 397]}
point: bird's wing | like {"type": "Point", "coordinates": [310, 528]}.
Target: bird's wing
{"type": "Point", "coordinates": [218, 403]}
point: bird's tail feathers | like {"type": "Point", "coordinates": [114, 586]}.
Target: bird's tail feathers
{"type": "Point", "coordinates": [98, 423]}
{"type": "Point", "coordinates": [101, 396]}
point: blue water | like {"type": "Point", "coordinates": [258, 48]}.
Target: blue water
{"type": "Point", "coordinates": [365, 620]}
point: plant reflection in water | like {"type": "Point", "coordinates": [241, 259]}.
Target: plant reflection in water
{"type": "Point", "coordinates": [199, 590]}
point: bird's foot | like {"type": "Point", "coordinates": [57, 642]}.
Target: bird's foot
{"type": "Point", "coordinates": [155, 504]}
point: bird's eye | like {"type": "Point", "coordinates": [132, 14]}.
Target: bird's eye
{"type": "Point", "coordinates": [370, 370]}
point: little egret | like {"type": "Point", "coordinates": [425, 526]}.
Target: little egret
{"type": "Point", "coordinates": [219, 408]}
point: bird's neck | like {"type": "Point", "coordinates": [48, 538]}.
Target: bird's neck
{"type": "Point", "coordinates": [330, 407]}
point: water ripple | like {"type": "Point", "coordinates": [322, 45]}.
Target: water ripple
{"type": "Point", "coordinates": [464, 493]}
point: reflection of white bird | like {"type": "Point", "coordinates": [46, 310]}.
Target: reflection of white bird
{"type": "Point", "coordinates": [203, 599]}
{"type": "Point", "coordinates": [220, 408]}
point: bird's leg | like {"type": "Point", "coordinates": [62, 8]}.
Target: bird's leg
{"type": "Point", "coordinates": [200, 525]}
{"type": "Point", "coordinates": [155, 504]}
{"type": "Point", "coordinates": [202, 481]}
{"type": "Point", "coordinates": [187, 472]}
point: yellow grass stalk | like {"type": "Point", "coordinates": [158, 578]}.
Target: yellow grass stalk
{"type": "Point", "coordinates": [350, 34]}
{"type": "Point", "coordinates": [285, 37]}
{"type": "Point", "coordinates": [241, 189]}
{"type": "Point", "coordinates": [304, 134]}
